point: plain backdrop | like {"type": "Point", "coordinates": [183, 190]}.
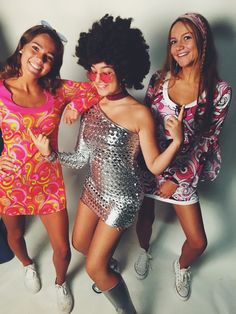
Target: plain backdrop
{"type": "Point", "coordinates": [214, 275]}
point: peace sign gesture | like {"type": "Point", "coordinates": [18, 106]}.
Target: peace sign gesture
{"type": "Point", "coordinates": [174, 126]}
{"type": "Point", "coordinates": [41, 142]}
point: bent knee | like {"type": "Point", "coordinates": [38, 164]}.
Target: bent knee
{"type": "Point", "coordinates": [15, 235]}
{"type": "Point", "coordinates": [79, 246]}
{"type": "Point", "coordinates": [199, 244]}
{"type": "Point", "coordinates": [63, 251]}
{"type": "Point", "coordinates": [94, 268]}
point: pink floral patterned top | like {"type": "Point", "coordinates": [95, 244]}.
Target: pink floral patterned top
{"type": "Point", "coordinates": [199, 157]}
{"type": "Point", "coordinates": [36, 186]}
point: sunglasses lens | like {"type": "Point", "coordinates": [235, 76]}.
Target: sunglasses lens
{"type": "Point", "coordinates": [106, 77]}
{"type": "Point", "coordinates": [91, 76]}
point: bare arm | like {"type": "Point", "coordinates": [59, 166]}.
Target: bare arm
{"type": "Point", "coordinates": [157, 162]}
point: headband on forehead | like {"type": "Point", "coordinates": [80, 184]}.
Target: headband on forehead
{"type": "Point", "coordinates": [47, 25]}
{"type": "Point", "coordinates": [196, 20]}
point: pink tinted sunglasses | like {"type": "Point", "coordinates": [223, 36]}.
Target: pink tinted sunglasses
{"type": "Point", "coordinates": [105, 77]}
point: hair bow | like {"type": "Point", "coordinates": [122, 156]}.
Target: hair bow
{"type": "Point", "coordinates": [62, 37]}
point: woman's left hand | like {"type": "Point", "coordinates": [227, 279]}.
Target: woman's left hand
{"type": "Point", "coordinates": [167, 189]}
{"type": "Point", "coordinates": [70, 115]}
{"type": "Point", "coordinates": [42, 143]}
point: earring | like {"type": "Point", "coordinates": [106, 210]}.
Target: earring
{"type": "Point", "coordinates": [20, 51]}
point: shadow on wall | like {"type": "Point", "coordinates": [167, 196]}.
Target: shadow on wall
{"type": "Point", "coordinates": [4, 53]}
{"type": "Point", "coordinates": [4, 48]}
{"type": "Point", "coordinates": [225, 40]}
{"type": "Point", "coordinates": [221, 193]}
{"type": "Point", "coordinates": [158, 46]}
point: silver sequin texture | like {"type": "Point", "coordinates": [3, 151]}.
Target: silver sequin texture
{"type": "Point", "coordinates": [113, 188]}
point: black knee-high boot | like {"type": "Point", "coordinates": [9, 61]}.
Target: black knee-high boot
{"type": "Point", "coordinates": [120, 298]}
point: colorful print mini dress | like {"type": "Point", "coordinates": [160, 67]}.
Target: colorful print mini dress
{"type": "Point", "coordinates": [35, 186]}
{"type": "Point", "coordinates": [199, 158]}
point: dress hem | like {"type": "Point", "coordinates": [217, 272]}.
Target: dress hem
{"type": "Point", "coordinates": [34, 214]}
{"type": "Point", "coordinates": [171, 201]}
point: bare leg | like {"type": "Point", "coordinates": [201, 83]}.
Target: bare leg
{"type": "Point", "coordinates": [57, 227]}
{"type": "Point", "coordinates": [84, 227]}
{"type": "Point", "coordinates": [97, 241]}
{"type": "Point", "coordinates": [145, 221]}
{"type": "Point", "coordinates": [15, 235]}
{"type": "Point", "coordinates": [103, 244]}
{"type": "Point", "coordinates": [190, 218]}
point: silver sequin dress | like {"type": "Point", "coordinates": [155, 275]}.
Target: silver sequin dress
{"type": "Point", "coordinates": [113, 188]}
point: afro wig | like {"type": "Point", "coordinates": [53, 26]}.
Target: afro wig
{"type": "Point", "coordinates": [114, 42]}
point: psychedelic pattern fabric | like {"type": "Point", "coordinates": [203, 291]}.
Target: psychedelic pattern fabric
{"type": "Point", "coordinates": [36, 186]}
{"type": "Point", "coordinates": [199, 158]}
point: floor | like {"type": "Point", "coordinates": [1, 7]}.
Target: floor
{"type": "Point", "coordinates": [214, 276]}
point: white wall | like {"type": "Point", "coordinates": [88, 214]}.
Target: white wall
{"type": "Point", "coordinates": [153, 17]}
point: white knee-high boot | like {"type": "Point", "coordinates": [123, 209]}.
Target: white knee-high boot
{"type": "Point", "coordinates": [120, 298]}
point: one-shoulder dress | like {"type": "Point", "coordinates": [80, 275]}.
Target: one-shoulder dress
{"type": "Point", "coordinates": [113, 188]}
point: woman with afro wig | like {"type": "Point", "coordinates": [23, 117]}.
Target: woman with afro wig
{"type": "Point", "coordinates": [111, 135]}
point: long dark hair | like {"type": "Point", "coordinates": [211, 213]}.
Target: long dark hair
{"type": "Point", "coordinates": [12, 67]}
{"type": "Point", "coordinates": [207, 60]}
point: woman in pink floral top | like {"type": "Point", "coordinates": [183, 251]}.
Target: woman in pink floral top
{"type": "Point", "coordinates": [32, 99]}
{"type": "Point", "coordinates": [189, 77]}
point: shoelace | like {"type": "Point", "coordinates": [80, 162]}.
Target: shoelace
{"type": "Point", "coordinates": [63, 289]}
{"type": "Point", "coordinates": [30, 271]}
{"type": "Point", "coordinates": [184, 277]}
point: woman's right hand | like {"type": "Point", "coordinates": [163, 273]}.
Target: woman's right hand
{"type": "Point", "coordinates": [42, 143]}
{"type": "Point", "coordinates": [175, 126]}
{"type": "Point", "coordinates": [70, 115]}
{"type": "Point", "coordinates": [167, 189]}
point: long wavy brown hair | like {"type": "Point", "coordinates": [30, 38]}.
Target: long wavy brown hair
{"type": "Point", "coordinates": [207, 60]}
{"type": "Point", "coordinates": [12, 66]}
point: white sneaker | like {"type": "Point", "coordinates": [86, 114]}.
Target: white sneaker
{"type": "Point", "coordinates": [31, 279]}
{"type": "Point", "coordinates": [142, 265]}
{"type": "Point", "coordinates": [182, 281]}
{"type": "Point", "coordinates": [64, 298]}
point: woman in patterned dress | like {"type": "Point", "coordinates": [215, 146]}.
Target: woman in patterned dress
{"type": "Point", "coordinates": [111, 135]}
{"type": "Point", "coordinates": [32, 96]}
{"type": "Point", "coordinates": [189, 77]}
